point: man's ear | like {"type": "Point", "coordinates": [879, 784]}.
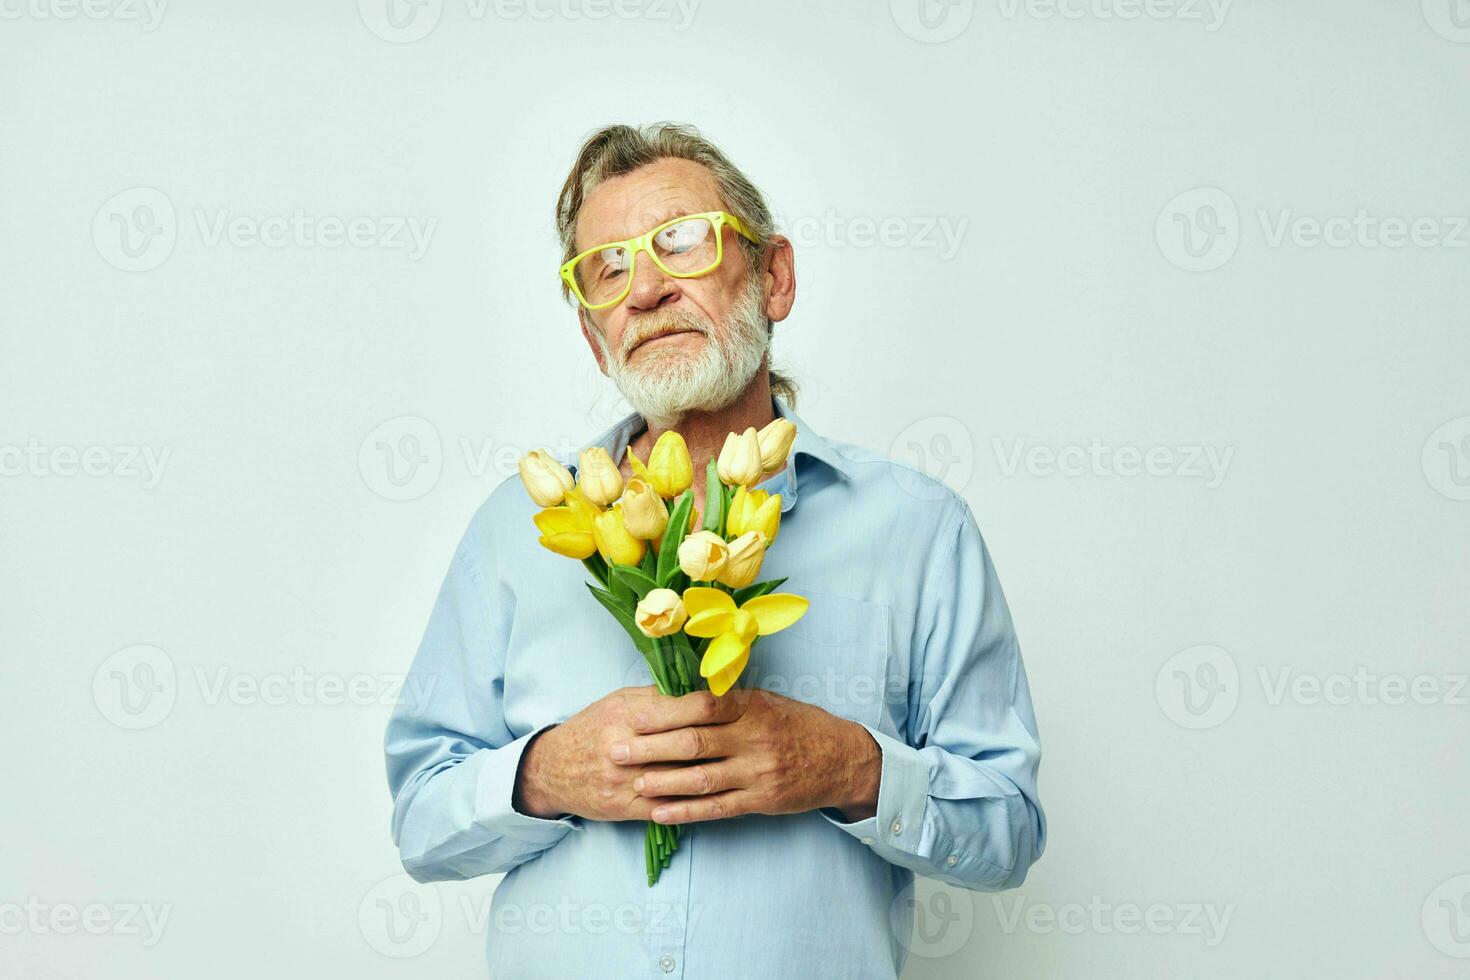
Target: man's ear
{"type": "Point", "coordinates": [780, 278]}
{"type": "Point", "coordinates": [587, 329]}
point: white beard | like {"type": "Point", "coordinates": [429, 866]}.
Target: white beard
{"type": "Point", "coordinates": [667, 385]}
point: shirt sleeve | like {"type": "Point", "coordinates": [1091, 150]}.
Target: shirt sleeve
{"type": "Point", "coordinates": [957, 799]}
{"type": "Point", "coordinates": [452, 762]}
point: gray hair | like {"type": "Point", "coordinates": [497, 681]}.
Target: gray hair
{"type": "Point", "coordinates": [615, 150]}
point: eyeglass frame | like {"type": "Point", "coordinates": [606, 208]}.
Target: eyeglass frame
{"type": "Point", "coordinates": [644, 243]}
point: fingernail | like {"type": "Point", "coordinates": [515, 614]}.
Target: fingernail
{"type": "Point", "coordinates": [661, 814]}
{"type": "Point", "coordinates": [638, 785]}
{"type": "Point", "coordinates": [620, 753]}
{"type": "Point", "coordinates": [640, 722]}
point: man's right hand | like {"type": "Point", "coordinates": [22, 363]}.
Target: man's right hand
{"type": "Point", "coordinates": [570, 768]}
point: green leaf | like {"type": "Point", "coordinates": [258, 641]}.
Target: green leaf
{"type": "Point", "coordinates": [649, 565]}
{"type": "Point", "coordinates": [714, 497]}
{"type": "Point", "coordinates": [624, 615]}
{"type": "Point", "coordinates": [634, 579]}
{"type": "Point", "coordinates": [742, 596]}
{"type": "Point", "coordinates": [668, 550]}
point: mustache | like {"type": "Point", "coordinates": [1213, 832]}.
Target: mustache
{"type": "Point", "coordinates": [650, 325]}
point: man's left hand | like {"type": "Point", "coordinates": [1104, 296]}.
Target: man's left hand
{"type": "Point", "coordinates": [750, 751]}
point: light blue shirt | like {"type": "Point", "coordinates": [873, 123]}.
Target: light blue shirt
{"type": "Point", "coordinates": [908, 634]}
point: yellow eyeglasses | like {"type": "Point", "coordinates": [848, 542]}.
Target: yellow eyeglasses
{"type": "Point", "coordinates": [685, 247]}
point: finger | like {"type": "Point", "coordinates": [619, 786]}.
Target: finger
{"type": "Point", "coordinates": [698, 780]}
{"type": "Point", "coordinates": [682, 745]}
{"type": "Point", "coordinates": [696, 708]}
{"type": "Point", "coordinates": [718, 806]}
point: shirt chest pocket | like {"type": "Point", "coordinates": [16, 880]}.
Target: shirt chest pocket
{"type": "Point", "coordinates": [836, 657]}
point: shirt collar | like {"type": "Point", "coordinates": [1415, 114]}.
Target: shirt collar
{"type": "Point", "coordinates": [809, 445]}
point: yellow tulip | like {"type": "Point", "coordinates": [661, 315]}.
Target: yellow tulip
{"type": "Point", "coordinates": [546, 480]}
{"type": "Point", "coordinates": [644, 513]}
{"type": "Point", "coordinates": [640, 471]}
{"type": "Point", "coordinates": [754, 510]}
{"type": "Point", "coordinates": [613, 540]}
{"type": "Point", "coordinates": [598, 477]}
{"type": "Point", "coordinates": [670, 469]}
{"type": "Point", "coordinates": [713, 614]}
{"type": "Point", "coordinates": [776, 438]}
{"type": "Point", "coordinates": [702, 556]}
{"type": "Point", "coordinates": [660, 613]}
{"type": "Point", "coordinates": [740, 459]}
{"type": "Point", "coordinates": [567, 530]}
{"type": "Point", "coordinates": [743, 563]}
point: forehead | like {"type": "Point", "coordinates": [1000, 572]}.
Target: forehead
{"type": "Point", "coordinates": [634, 202]}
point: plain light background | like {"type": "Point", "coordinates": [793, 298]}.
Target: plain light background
{"type": "Point", "coordinates": [1248, 672]}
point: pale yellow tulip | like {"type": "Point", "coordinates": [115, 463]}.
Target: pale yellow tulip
{"type": "Point", "coordinates": [740, 459]}
{"type": "Point", "coordinates": [645, 514]}
{"type": "Point", "coordinates": [598, 477]}
{"type": "Point", "coordinates": [660, 613]}
{"type": "Point", "coordinates": [670, 469]}
{"type": "Point", "coordinates": [754, 510]}
{"type": "Point", "coordinates": [776, 438]}
{"type": "Point", "coordinates": [614, 542]}
{"type": "Point", "coordinates": [702, 556]}
{"type": "Point", "coordinates": [743, 563]}
{"type": "Point", "coordinates": [546, 480]}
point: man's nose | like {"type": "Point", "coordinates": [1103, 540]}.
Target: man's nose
{"type": "Point", "coordinates": [651, 287]}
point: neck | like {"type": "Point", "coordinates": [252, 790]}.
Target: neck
{"type": "Point", "coordinates": [704, 432]}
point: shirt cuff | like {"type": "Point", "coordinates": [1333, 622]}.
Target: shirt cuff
{"type": "Point", "coordinates": [495, 790]}
{"type": "Point", "coordinates": [903, 795]}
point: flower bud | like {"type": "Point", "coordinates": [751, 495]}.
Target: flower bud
{"type": "Point", "coordinates": [598, 476]}
{"type": "Point", "coordinates": [670, 469]}
{"type": "Point", "coordinates": [740, 459]}
{"type": "Point", "coordinates": [754, 510]}
{"type": "Point", "coordinates": [743, 562]}
{"type": "Point", "coordinates": [702, 556]}
{"type": "Point", "coordinates": [546, 480]}
{"type": "Point", "coordinates": [614, 542]}
{"type": "Point", "coordinates": [775, 438]}
{"type": "Point", "coordinates": [645, 514]}
{"type": "Point", "coordinates": [660, 613]}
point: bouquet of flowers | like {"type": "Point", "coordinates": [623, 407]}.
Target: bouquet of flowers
{"type": "Point", "coordinates": [681, 582]}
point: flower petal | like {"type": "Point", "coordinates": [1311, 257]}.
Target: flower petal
{"type": "Point", "coordinates": [723, 680]}
{"type": "Point", "coordinates": [698, 598]}
{"type": "Point", "coordinates": [776, 611]}
{"type": "Point", "coordinates": [710, 622]}
{"type": "Point", "coordinates": [726, 651]}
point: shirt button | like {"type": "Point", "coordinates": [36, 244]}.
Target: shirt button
{"type": "Point", "coordinates": [951, 860]}
{"type": "Point", "coordinates": [869, 841]}
{"type": "Point", "coordinates": [666, 963]}
{"type": "Point", "coordinates": [897, 828]}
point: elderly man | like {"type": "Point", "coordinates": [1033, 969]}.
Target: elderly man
{"type": "Point", "coordinates": [889, 732]}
